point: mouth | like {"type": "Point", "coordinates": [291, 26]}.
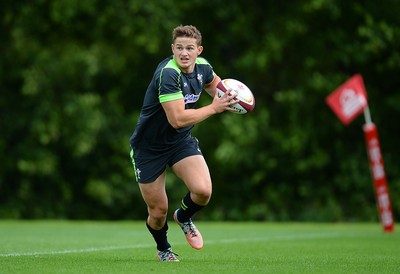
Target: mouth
{"type": "Point", "coordinates": [184, 63]}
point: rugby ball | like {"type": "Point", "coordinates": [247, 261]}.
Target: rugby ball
{"type": "Point", "coordinates": [244, 95]}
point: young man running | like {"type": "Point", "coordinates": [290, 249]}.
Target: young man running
{"type": "Point", "coordinates": [163, 137]}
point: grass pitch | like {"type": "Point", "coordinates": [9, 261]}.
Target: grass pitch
{"type": "Point", "coordinates": [127, 247]}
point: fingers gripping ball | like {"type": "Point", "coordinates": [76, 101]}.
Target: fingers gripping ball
{"type": "Point", "coordinates": [245, 96]}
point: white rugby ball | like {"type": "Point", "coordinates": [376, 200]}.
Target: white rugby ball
{"type": "Point", "coordinates": [244, 95]}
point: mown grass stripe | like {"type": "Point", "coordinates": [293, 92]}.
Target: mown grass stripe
{"type": "Point", "coordinates": [226, 241]}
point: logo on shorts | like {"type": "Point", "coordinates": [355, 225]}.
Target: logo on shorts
{"type": "Point", "coordinates": [138, 173]}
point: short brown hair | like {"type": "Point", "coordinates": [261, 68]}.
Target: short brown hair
{"type": "Point", "coordinates": [187, 31]}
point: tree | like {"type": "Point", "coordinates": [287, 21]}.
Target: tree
{"type": "Point", "coordinates": [74, 74]}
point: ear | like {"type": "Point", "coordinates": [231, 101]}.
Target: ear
{"type": "Point", "coordinates": [199, 50]}
{"type": "Point", "coordinates": [172, 48]}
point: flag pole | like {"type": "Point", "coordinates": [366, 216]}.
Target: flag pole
{"type": "Point", "coordinates": [378, 172]}
{"type": "Point", "coordinates": [367, 115]}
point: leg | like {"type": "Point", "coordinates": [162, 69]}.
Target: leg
{"type": "Point", "coordinates": [151, 177]}
{"type": "Point", "coordinates": [155, 196]}
{"type": "Point", "coordinates": [193, 170]}
{"type": "Point", "coordinates": [156, 199]}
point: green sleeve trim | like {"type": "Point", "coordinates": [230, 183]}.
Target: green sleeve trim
{"type": "Point", "coordinates": [172, 64]}
{"type": "Point", "coordinates": [170, 97]}
{"type": "Point", "coordinates": [202, 61]}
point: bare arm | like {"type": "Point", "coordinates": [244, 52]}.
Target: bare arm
{"type": "Point", "coordinates": [211, 88]}
{"type": "Point", "coordinates": [180, 117]}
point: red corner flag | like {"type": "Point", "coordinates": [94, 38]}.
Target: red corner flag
{"type": "Point", "coordinates": [349, 100]}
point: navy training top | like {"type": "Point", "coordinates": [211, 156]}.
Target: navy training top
{"type": "Point", "coordinates": [153, 131]}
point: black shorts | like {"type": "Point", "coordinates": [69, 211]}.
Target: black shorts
{"type": "Point", "coordinates": [149, 164]}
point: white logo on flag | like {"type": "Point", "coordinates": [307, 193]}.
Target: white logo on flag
{"type": "Point", "coordinates": [351, 102]}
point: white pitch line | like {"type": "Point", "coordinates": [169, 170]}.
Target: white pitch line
{"type": "Point", "coordinates": [226, 241]}
{"type": "Point", "coordinates": [70, 251]}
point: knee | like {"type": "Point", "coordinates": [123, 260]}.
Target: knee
{"type": "Point", "coordinates": [206, 194]}
{"type": "Point", "coordinates": [157, 216]}
{"type": "Point", "coordinates": [202, 196]}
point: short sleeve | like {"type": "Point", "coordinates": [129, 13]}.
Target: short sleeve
{"type": "Point", "coordinates": [169, 88]}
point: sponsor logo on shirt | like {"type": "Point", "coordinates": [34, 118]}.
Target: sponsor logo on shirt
{"type": "Point", "coordinates": [191, 98]}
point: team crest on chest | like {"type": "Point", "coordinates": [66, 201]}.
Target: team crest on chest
{"type": "Point", "coordinates": [200, 78]}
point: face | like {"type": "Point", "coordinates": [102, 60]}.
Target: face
{"type": "Point", "coordinates": [185, 53]}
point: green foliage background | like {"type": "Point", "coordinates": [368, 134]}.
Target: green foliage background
{"type": "Point", "coordinates": [73, 75]}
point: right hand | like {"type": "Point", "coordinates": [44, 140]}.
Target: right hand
{"type": "Point", "coordinates": [225, 102]}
